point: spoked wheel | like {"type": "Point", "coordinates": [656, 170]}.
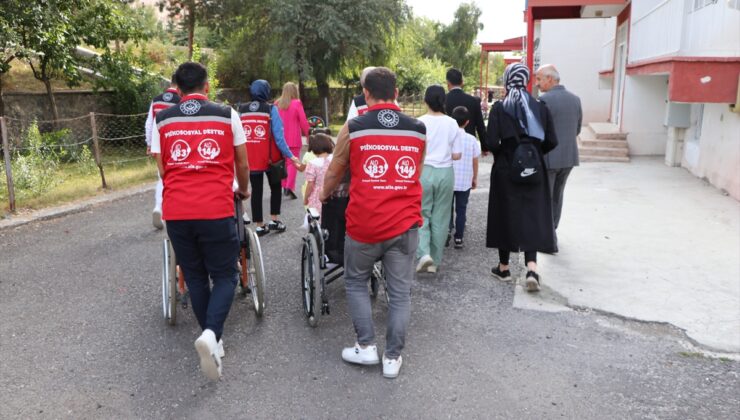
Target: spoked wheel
{"type": "Point", "coordinates": [256, 273]}
{"type": "Point", "coordinates": [169, 283]}
{"type": "Point", "coordinates": [310, 281]}
{"type": "Point", "coordinates": [377, 278]}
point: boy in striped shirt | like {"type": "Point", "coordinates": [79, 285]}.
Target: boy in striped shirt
{"type": "Point", "coordinates": [466, 175]}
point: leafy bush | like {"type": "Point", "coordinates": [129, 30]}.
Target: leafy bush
{"type": "Point", "coordinates": [131, 80]}
{"type": "Point", "coordinates": [34, 169]}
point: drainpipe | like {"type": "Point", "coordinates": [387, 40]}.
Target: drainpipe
{"type": "Point", "coordinates": [530, 44]}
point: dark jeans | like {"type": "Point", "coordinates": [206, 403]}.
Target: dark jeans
{"type": "Point", "coordinates": [255, 180]}
{"type": "Point", "coordinates": [529, 256]}
{"type": "Point", "coordinates": [459, 210]}
{"type": "Point", "coordinates": [206, 248]}
{"type": "Point", "coordinates": [557, 179]}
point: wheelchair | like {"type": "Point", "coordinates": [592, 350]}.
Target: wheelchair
{"type": "Point", "coordinates": [250, 264]}
{"type": "Point", "coordinates": [322, 259]}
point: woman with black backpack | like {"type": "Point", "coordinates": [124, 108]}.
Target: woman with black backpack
{"type": "Point", "coordinates": [520, 133]}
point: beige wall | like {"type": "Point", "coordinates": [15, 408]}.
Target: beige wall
{"type": "Point", "coordinates": [715, 154]}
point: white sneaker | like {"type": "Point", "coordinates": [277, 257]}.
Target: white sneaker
{"type": "Point", "coordinates": [432, 269]}
{"type": "Point", "coordinates": [157, 219]}
{"type": "Point", "coordinates": [221, 352]}
{"type": "Point", "coordinates": [424, 263]}
{"type": "Point", "coordinates": [208, 351]}
{"type": "Point", "coordinates": [391, 367]}
{"type": "Point", "coordinates": [360, 356]}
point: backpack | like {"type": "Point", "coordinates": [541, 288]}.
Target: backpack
{"type": "Point", "coordinates": [526, 164]}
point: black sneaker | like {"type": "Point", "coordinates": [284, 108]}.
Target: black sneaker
{"type": "Point", "coordinates": [532, 281]}
{"type": "Point", "coordinates": [291, 195]}
{"type": "Point", "coordinates": [458, 243]}
{"type": "Point", "coordinates": [262, 230]}
{"type": "Point", "coordinates": [504, 275]}
{"type": "Point", "coordinates": [277, 226]}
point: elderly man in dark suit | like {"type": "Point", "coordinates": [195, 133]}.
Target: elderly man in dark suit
{"type": "Point", "coordinates": [567, 117]}
{"type": "Point", "coordinates": [457, 97]}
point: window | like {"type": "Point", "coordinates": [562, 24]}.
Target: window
{"type": "Point", "coordinates": [698, 4]}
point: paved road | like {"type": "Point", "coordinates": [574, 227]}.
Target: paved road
{"type": "Point", "coordinates": [83, 337]}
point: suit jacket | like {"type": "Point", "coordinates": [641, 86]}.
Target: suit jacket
{"type": "Point", "coordinates": [567, 117]}
{"type": "Point", "coordinates": [456, 97]}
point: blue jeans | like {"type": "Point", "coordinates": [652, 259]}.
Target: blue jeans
{"type": "Point", "coordinates": [206, 248]}
{"type": "Point", "coordinates": [459, 209]}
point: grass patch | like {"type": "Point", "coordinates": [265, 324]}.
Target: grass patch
{"type": "Point", "coordinates": [694, 354]}
{"type": "Point", "coordinates": [76, 185]}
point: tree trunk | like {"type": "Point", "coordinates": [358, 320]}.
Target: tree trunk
{"type": "Point", "coordinates": [52, 100]}
{"type": "Point", "coordinates": [2, 103]}
{"type": "Point", "coordinates": [301, 76]}
{"type": "Point", "coordinates": [191, 29]}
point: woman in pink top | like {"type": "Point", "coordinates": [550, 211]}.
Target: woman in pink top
{"type": "Point", "coordinates": [295, 125]}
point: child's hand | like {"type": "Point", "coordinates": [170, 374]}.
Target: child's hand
{"type": "Point", "coordinates": [298, 165]}
{"type": "Point", "coordinates": [475, 183]}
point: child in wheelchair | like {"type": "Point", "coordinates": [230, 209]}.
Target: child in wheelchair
{"type": "Point", "coordinates": [322, 146]}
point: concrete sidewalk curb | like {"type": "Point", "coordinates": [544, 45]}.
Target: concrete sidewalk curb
{"type": "Point", "coordinates": [75, 207]}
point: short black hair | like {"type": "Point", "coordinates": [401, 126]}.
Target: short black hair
{"type": "Point", "coordinates": [455, 77]}
{"type": "Point", "coordinates": [434, 97]}
{"type": "Point", "coordinates": [191, 77]}
{"type": "Point", "coordinates": [461, 115]}
{"type": "Point", "coordinates": [320, 143]}
{"type": "Point", "coordinates": [173, 80]}
{"type": "Point", "coordinates": [381, 83]}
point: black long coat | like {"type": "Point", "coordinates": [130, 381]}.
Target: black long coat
{"type": "Point", "coordinates": [519, 216]}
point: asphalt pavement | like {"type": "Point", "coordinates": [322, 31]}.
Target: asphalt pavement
{"type": "Point", "coordinates": [83, 337]}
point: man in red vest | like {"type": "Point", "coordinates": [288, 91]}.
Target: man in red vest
{"type": "Point", "coordinates": [383, 150]}
{"type": "Point", "coordinates": [199, 146]}
{"type": "Point", "coordinates": [162, 101]}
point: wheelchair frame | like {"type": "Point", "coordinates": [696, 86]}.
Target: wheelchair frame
{"type": "Point", "coordinates": [250, 263]}
{"type": "Point", "coordinates": [315, 276]}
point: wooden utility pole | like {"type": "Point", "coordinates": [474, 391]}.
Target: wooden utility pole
{"type": "Point", "coordinates": [8, 170]}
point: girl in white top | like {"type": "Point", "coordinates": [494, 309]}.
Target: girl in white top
{"type": "Point", "coordinates": [443, 145]}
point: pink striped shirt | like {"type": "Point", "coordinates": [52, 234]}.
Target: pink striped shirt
{"type": "Point", "coordinates": [294, 123]}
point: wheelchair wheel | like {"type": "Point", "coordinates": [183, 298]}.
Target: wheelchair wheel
{"type": "Point", "coordinates": [256, 273]}
{"type": "Point", "coordinates": [310, 281]}
{"type": "Point", "coordinates": [169, 283]}
{"type": "Point", "coordinates": [377, 278]}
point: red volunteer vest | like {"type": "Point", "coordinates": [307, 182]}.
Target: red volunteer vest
{"type": "Point", "coordinates": [261, 146]}
{"type": "Point", "coordinates": [360, 104]}
{"type": "Point", "coordinates": [164, 101]}
{"type": "Point", "coordinates": [386, 148]}
{"type": "Point", "coordinates": [197, 146]}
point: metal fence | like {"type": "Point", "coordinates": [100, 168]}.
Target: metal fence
{"type": "Point", "coordinates": [41, 157]}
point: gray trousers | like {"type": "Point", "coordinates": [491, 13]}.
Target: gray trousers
{"type": "Point", "coordinates": [557, 179]}
{"type": "Point", "coordinates": [397, 255]}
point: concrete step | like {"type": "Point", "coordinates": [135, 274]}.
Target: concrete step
{"type": "Point", "coordinates": [606, 131]}
{"type": "Point", "coordinates": [614, 144]}
{"type": "Point", "coordinates": [589, 158]}
{"type": "Point", "coordinates": [604, 151]}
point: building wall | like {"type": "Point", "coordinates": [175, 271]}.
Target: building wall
{"type": "Point", "coordinates": [643, 114]}
{"type": "Point", "coordinates": [574, 46]}
{"type": "Point", "coordinates": [676, 28]}
{"type": "Point", "coordinates": [712, 146]}
{"type": "Point", "coordinates": [712, 31]}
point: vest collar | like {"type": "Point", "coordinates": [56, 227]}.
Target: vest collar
{"type": "Point", "coordinates": [196, 96]}
{"type": "Point", "coordinates": [392, 106]}
{"type": "Point", "coordinates": [171, 90]}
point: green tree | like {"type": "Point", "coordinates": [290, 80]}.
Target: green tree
{"type": "Point", "coordinates": [190, 11]}
{"type": "Point", "coordinates": [10, 46]}
{"type": "Point", "coordinates": [413, 58]}
{"type": "Point", "coordinates": [318, 38]}
{"type": "Point", "coordinates": [457, 41]}
{"type": "Point", "coordinates": [51, 30]}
